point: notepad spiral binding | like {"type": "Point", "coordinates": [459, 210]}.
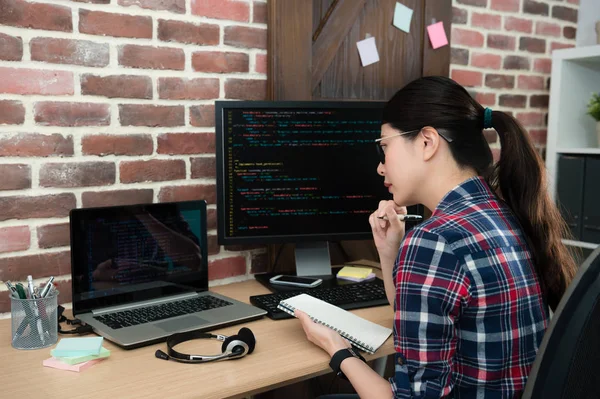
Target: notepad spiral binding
{"type": "Point", "coordinates": [359, 344]}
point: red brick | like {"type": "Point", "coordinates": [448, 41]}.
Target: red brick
{"type": "Point", "coordinates": [547, 29]}
{"type": "Point", "coordinates": [186, 143]}
{"type": "Point", "coordinates": [564, 13]}
{"type": "Point", "coordinates": [71, 114]}
{"type": "Point", "coordinates": [117, 86]}
{"type": "Point", "coordinates": [518, 24]}
{"type": "Point", "coordinates": [151, 115]}
{"type": "Point", "coordinates": [501, 42]}
{"type": "Point", "coordinates": [487, 21]}
{"type": "Point", "coordinates": [467, 78]}
{"type": "Point", "coordinates": [459, 15]}
{"type": "Point", "coordinates": [77, 174]}
{"type": "Point", "coordinates": [11, 48]}
{"type": "Point", "coordinates": [512, 100]}
{"type": "Point", "coordinates": [222, 9]}
{"type": "Point", "coordinates": [188, 89]}
{"type": "Point", "coordinates": [211, 219]}
{"type": "Point", "coordinates": [486, 98]}
{"type": "Point", "coordinates": [35, 145]}
{"type": "Point", "coordinates": [66, 51]}
{"type": "Point", "coordinates": [260, 63]}
{"type": "Point", "coordinates": [481, 60]}
{"type": "Point", "coordinates": [93, 1]}
{"type": "Point", "coordinates": [538, 136]}
{"type": "Point", "coordinates": [13, 239]}
{"type": "Point", "coordinates": [204, 167]}
{"type": "Point", "coordinates": [206, 192]}
{"type": "Point", "coordinates": [24, 14]}
{"type": "Point", "coordinates": [459, 56]}
{"type": "Point", "coordinates": [466, 37]}
{"type": "Point", "coordinates": [134, 56]}
{"type": "Point", "coordinates": [53, 235]}
{"type": "Point", "coordinates": [496, 81]}
{"type": "Point", "coordinates": [530, 82]}
{"type": "Point", "coordinates": [535, 7]}
{"type": "Point", "coordinates": [118, 25]}
{"type": "Point", "coordinates": [543, 65]}
{"type": "Point", "coordinates": [569, 32]}
{"type": "Point", "coordinates": [219, 62]}
{"type": "Point", "coordinates": [15, 177]}
{"type": "Point", "coordinates": [573, 1]}
{"type": "Point", "coordinates": [153, 170]}
{"type": "Point", "coordinates": [539, 101]}
{"type": "Point", "coordinates": [213, 245]}
{"type": "Point", "coordinates": [477, 3]}
{"type": "Point", "coordinates": [36, 81]}
{"type": "Point", "coordinates": [243, 36]}
{"type": "Point", "coordinates": [506, 5]}
{"type": "Point", "coordinates": [110, 144]}
{"type": "Point", "coordinates": [531, 118]}
{"type": "Point", "coordinates": [176, 6]}
{"type": "Point", "coordinates": [185, 32]}
{"type": "Point", "coordinates": [33, 207]}
{"type": "Point", "coordinates": [516, 62]}
{"type": "Point", "coordinates": [41, 265]}
{"type": "Point", "coordinates": [11, 112]}
{"type": "Point", "coordinates": [259, 12]}
{"type": "Point", "coordinates": [246, 89]}
{"type": "Point", "coordinates": [532, 45]}
{"type": "Point", "coordinates": [202, 115]}
{"type": "Point", "coordinates": [93, 199]}
{"type": "Point", "coordinates": [558, 46]}
{"type": "Point", "coordinates": [227, 267]}
{"type": "Point", "coordinates": [490, 135]}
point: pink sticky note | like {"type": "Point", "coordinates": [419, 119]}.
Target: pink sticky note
{"type": "Point", "coordinates": [57, 364]}
{"type": "Point", "coordinates": [437, 35]}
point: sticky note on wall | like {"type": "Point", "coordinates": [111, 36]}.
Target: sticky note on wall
{"type": "Point", "coordinates": [368, 51]}
{"type": "Point", "coordinates": [402, 17]}
{"type": "Point", "coordinates": [437, 35]}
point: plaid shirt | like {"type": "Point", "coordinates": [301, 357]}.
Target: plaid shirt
{"type": "Point", "coordinates": [469, 314]}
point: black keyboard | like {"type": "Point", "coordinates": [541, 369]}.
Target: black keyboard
{"type": "Point", "coordinates": [128, 318]}
{"type": "Point", "coordinates": [349, 296]}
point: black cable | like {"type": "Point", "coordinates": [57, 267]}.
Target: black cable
{"type": "Point", "coordinates": [82, 329]}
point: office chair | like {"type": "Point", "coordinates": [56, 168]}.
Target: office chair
{"type": "Point", "coordinates": [567, 363]}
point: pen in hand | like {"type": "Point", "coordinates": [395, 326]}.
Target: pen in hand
{"type": "Point", "coordinates": [403, 218]}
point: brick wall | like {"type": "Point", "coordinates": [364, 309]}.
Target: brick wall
{"type": "Point", "coordinates": [501, 50]}
{"type": "Point", "coordinates": [107, 102]}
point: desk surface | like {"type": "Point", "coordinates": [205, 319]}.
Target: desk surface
{"type": "Point", "coordinates": [282, 356]}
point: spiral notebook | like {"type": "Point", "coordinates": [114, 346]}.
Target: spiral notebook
{"type": "Point", "coordinates": [362, 333]}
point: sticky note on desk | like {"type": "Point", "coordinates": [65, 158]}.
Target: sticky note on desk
{"type": "Point", "coordinates": [82, 358]}
{"type": "Point", "coordinates": [77, 347]}
{"type": "Point", "coordinates": [355, 272]}
{"type": "Point", "coordinates": [368, 51]}
{"type": "Point", "coordinates": [57, 364]}
{"type": "Point", "coordinates": [402, 17]}
{"type": "Point", "coordinates": [437, 35]}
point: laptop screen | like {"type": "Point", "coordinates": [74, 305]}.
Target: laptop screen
{"type": "Point", "coordinates": [131, 253]}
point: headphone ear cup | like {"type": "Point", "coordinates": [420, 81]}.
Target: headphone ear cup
{"type": "Point", "coordinates": [227, 341]}
{"type": "Point", "coordinates": [246, 335]}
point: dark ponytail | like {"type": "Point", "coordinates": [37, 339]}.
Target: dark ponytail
{"type": "Point", "coordinates": [518, 177]}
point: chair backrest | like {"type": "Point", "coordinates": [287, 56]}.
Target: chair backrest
{"type": "Point", "coordinates": [568, 362]}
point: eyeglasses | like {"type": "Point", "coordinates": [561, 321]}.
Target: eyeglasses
{"type": "Point", "coordinates": [381, 149]}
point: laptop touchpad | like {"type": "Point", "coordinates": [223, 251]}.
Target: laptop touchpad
{"type": "Point", "coordinates": [185, 323]}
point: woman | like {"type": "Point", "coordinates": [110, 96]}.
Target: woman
{"type": "Point", "coordinates": [471, 285]}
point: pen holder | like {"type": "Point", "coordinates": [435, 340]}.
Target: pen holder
{"type": "Point", "coordinates": [34, 322]}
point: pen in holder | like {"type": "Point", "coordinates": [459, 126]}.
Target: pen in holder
{"type": "Point", "coordinates": [34, 322]}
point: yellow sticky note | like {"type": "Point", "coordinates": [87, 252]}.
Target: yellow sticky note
{"type": "Point", "coordinates": [356, 272]}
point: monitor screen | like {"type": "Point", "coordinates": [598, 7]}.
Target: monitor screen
{"type": "Point", "coordinates": [297, 171]}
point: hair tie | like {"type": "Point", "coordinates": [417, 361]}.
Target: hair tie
{"type": "Point", "coordinates": [487, 118]}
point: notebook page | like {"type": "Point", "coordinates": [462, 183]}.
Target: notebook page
{"type": "Point", "coordinates": [362, 333]}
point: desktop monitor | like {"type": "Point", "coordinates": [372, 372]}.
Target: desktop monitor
{"type": "Point", "coordinates": [301, 172]}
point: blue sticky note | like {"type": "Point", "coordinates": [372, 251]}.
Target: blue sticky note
{"type": "Point", "coordinates": [402, 17]}
{"type": "Point", "coordinates": [78, 346]}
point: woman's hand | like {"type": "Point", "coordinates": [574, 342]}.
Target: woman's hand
{"type": "Point", "coordinates": [322, 336]}
{"type": "Point", "coordinates": [387, 234]}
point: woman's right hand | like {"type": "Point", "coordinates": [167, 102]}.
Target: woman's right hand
{"type": "Point", "coordinates": [387, 234]}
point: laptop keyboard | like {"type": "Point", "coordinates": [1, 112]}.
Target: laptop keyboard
{"type": "Point", "coordinates": [128, 318]}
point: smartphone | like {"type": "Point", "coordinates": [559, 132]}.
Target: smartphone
{"type": "Point", "coordinates": [305, 282]}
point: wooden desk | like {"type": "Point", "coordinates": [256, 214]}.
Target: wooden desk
{"type": "Point", "coordinates": [282, 356]}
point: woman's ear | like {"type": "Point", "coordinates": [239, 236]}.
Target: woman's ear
{"type": "Point", "coordinates": [430, 142]}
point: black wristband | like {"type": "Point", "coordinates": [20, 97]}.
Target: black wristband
{"type": "Point", "coordinates": [340, 356]}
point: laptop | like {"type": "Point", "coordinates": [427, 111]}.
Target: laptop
{"type": "Point", "coordinates": [140, 273]}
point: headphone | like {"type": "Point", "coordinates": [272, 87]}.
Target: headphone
{"type": "Point", "coordinates": [233, 347]}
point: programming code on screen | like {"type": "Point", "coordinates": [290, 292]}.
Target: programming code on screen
{"type": "Point", "coordinates": [300, 171]}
